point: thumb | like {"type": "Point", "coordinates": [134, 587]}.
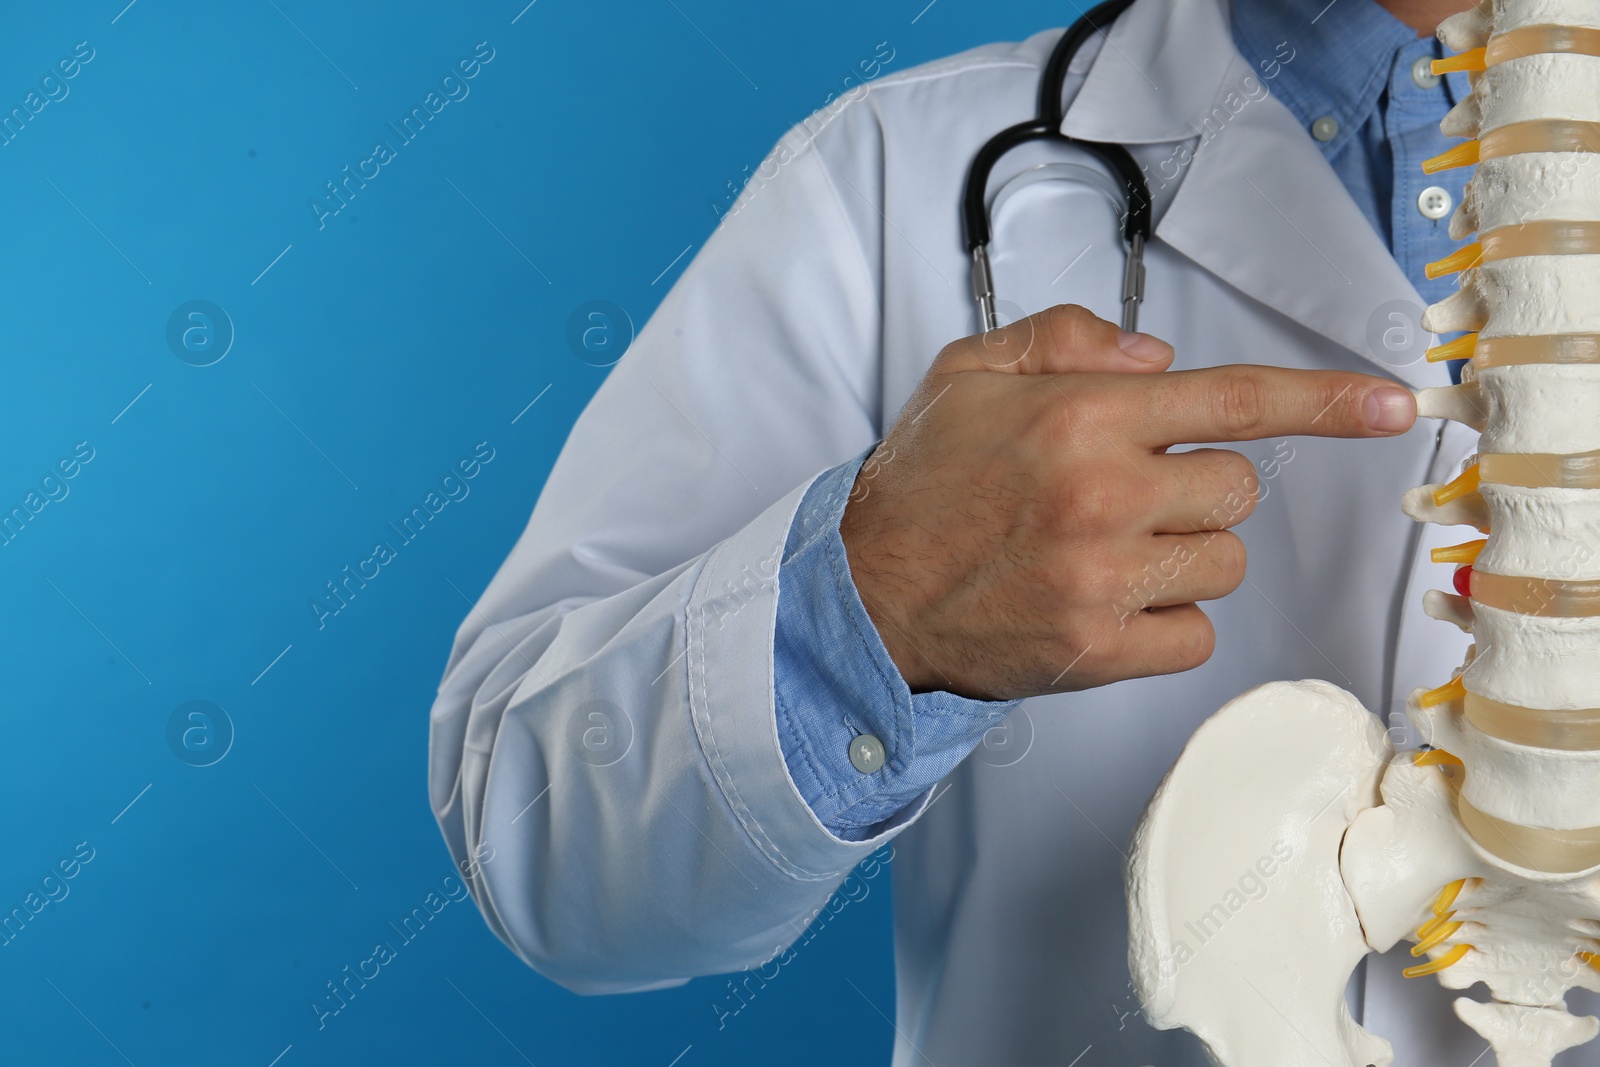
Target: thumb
{"type": "Point", "coordinates": [1060, 340]}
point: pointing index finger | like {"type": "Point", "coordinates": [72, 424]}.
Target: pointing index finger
{"type": "Point", "coordinates": [1247, 402]}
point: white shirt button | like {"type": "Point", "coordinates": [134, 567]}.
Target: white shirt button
{"type": "Point", "coordinates": [866, 753]}
{"type": "Point", "coordinates": [1422, 73]}
{"type": "Point", "coordinates": [1326, 128]}
{"type": "Point", "coordinates": [1434, 202]}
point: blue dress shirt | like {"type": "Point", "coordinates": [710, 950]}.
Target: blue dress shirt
{"type": "Point", "coordinates": [1361, 73]}
{"type": "Point", "coordinates": [1354, 82]}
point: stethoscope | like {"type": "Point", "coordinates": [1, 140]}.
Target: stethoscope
{"type": "Point", "coordinates": [1133, 199]}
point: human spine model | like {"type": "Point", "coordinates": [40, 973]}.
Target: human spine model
{"type": "Point", "coordinates": [1484, 848]}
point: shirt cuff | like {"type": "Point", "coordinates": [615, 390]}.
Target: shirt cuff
{"type": "Point", "coordinates": [833, 682]}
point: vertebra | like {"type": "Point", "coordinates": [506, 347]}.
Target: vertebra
{"type": "Point", "coordinates": [1484, 848]}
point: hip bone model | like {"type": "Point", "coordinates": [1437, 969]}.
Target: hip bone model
{"type": "Point", "coordinates": [1259, 877]}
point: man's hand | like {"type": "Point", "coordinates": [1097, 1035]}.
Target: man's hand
{"type": "Point", "coordinates": [1005, 534]}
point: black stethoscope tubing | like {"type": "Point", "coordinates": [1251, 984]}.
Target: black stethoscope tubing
{"type": "Point", "coordinates": [1046, 126]}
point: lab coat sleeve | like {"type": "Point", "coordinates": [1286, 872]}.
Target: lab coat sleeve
{"type": "Point", "coordinates": [604, 761]}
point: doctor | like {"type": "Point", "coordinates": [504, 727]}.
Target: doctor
{"type": "Point", "coordinates": [813, 540]}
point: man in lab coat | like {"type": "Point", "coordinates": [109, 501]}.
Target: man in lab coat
{"type": "Point", "coordinates": [813, 540]}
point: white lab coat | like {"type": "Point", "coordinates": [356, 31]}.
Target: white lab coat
{"type": "Point", "coordinates": [633, 621]}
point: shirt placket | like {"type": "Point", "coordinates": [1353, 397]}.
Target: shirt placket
{"type": "Point", "coordinates": [1422, 204]}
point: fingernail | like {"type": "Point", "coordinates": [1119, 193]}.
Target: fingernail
{"type": "Point", "coordinates": [1142, 346]}
{"type": "Point", "coordinates": [1390, 409]}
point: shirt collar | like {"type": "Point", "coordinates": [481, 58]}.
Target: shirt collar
{"type": "Point", "coordinates": [1342, 51]}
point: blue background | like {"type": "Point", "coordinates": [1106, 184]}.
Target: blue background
{"type": "Point", "coordinates": [587, 162]}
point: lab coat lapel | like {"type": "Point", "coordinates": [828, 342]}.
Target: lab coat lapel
{"type": "Point", "coordinates": [1257, 205]}
{"type": "Point", "coordinates": [1160, 66]}
{"type": "Point", "coordinates": [1261, 209]}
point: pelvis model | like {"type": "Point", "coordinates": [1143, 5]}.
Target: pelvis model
{"type": "Point", "coordinates": [1482, 848]}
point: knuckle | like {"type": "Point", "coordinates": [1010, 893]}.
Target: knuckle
{"type": "Point", "coordinates": [1240, 403]}
{"type": "Point", "coordinates": [1095, 502]}
{"type": "Point", "coordinates": [1196, 642]}
{"type": "Point", "coordinates": [1241, 485]}
{"type": "Point", "coordinates": [1069, 317]}
{"type": "Point", "coordinates": [1010, 347]}
{"type": "Point", "coordinates": [1228, 508]}
{"type": "Point", "coordinates": [1228, 486]}
{"type": "Point", "coordinates": [1242, 502]}
{"type": "Point", "coordinates": [1249, 484]}
{"type": "Point", "coordinates": [954, 351]}
{"type": "Point", "coordinates": [1230, 557]}
{"type": "Point", "coordinates": [1074, 422]}
{"type": "Point", "coordinates": [1073, 326]}
{"type": "Point", "coordinates": [1240, 470]}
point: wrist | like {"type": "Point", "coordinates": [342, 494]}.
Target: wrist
{"type": "Point", "coordinates": [877, 572]}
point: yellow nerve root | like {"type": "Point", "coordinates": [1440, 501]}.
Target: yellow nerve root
{"type": "Point", "coordinates": [1447, 896]}
{"type": "Point", "coordinates": [1465, 484]}
{"type": "Point", "coordinates": [1442, 932]}
{"type": "Point", "coordinates": [1444, 924]}
{"type": "Point", "coordinates": [1460, 348]}
{"type": "Point", "coordinates": [1459, 260]}
{"type": "Point", "coordinates": [1462, 155]}
{"type": "Point", "coordinates": [1591, 959]}
{"type": "Point", "coordinates": [1454, 689]}
{"type": "Point", "coordinates": [1436, 757]}
{"type": "Point", "coordinates": [1467, 552]}
{"type": "Point", "coordinates": [1474, 61]}
{"type": "Point", "coordinates": [1449, 959]}
{"type": "Point", "coordinates": [1427, 928]}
